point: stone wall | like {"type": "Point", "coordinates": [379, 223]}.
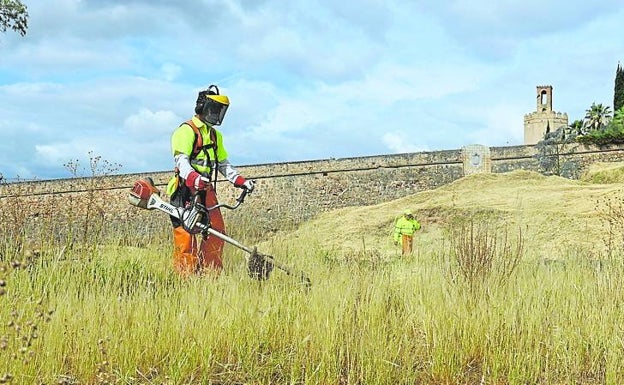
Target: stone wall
{"type": "Point", "coordinates": [290, 192]}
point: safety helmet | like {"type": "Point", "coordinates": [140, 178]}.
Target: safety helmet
{"type": "Point", "coordinates": [211, 106]}
{"type": "Point", "coordinates": [408, 212]}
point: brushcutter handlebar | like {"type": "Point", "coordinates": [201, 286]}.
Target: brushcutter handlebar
{"type": "Point", "coordinates": [192, 216]}
{"type": "Point", "coordinates": [239, 200]}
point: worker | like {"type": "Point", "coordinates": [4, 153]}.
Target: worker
{"type": "Point", "coordinates": [199, 153]}
{"type": "Point", "coordinates": [404, 228]}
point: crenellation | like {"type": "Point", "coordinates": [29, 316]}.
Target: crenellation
{"type": "Point", "coordinates": [553, 114]}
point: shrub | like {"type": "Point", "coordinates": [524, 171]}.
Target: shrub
{"type": "Point", "coordinates": [479, 254]}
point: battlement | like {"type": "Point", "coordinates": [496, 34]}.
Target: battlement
{"type": "Point", "coordinates": [540, 114]}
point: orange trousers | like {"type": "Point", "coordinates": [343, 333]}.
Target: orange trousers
{"type": "Point", "coordinates": [407, 242]}
{"type": "Point", "coordinates": [191, 256]}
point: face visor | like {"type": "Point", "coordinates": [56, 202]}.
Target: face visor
{"type": "Point", "coordinates": [214, 109]}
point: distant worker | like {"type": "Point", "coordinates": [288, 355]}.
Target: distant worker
{"type": "Point", "coordinates": [199, 153]}
{"type": "Point", "coordinates": [404, 228]}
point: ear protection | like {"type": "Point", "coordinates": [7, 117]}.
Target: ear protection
{"type": "Point", "coordinates": [203, 95]}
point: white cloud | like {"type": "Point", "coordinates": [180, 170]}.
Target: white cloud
{"type": "Point", "coordinates": [306, 80]}
{"type": "Point", "coordinates": [54, 153]}
{"type": "Point", "coordinates": [400, 143]}
{"type": "Point", "coordinates": [147, 124]}
{"type": "Point", "coordinates": [170, 71]}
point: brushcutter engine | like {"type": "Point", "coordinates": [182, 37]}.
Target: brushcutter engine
{"type": "Point", "coordinates": [142, 192]}
{"type": "Point", "coordinates": [192, 218]}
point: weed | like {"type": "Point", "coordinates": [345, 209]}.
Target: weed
{"type": "Point", "coordinates": [481, 253]}
{"type": "Point", "coordinates": [611, 211]}
{"type": "Point", "coordinates": [89, 209]}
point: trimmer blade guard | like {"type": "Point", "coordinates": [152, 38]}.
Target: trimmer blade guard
{"type": "Point", "coordinates": [259, 267]}
{"type": "Point", "coordinates": [141, 192]}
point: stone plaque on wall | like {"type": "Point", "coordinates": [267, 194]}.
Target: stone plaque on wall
{"type": "Point", "coordinates": [476, 159]}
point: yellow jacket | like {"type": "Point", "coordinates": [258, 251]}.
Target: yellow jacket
{"type": "Point", "coordinates": [182, 142]}
{"type": "Point", "coordinates": [405, 226]}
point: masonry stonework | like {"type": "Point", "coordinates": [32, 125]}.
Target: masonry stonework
{"type": "Point", "coordinates": [477, 159]}
{"type": "Point", "coordinates": [291, 192]}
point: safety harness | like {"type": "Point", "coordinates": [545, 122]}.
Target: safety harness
{"type": "Point", "coordinates": [198, 142]}
{"type": "Point", "coordinates": [198, 147]}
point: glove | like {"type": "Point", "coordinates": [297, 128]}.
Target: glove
{"type": "Point", "coordinates": [249, 185]}
{"type": "Point", "coordinates": [196, 181]}
{"type": "Point", "coordinates": [241, 182]}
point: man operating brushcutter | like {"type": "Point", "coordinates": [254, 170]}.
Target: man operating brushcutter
{"type": "Point", "coordinates": [199, 153]}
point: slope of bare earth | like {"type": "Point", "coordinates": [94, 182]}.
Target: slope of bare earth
{"type": "Point", "coordinates": [558, 217]}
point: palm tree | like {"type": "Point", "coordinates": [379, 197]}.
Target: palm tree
{"type": "Point", "coordinates": [597, 117]}
{"type": "Point", "coordinates": [576, 128]}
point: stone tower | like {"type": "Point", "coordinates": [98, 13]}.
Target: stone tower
{"type": "Point", "coordinates": [544, 119]}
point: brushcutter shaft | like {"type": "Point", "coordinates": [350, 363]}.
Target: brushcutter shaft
{"type": "Point", "coordinates": [234, 242]}
{"type": "Point", "coordinates": [229, 240]}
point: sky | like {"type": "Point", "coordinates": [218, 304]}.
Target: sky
{"type": "Point", "coordinates": [98, 86]}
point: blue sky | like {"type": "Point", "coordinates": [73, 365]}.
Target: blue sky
{"type": "Point", "coordinates": [312, 79]}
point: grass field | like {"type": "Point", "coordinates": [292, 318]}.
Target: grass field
{"type": "Point", "coordinates": [517, 279]}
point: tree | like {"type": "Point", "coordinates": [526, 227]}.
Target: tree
{"type": "Point", "coordinates": [13, 15]}
{"type": "Point", "coordinates": [597, 117]}
{"type": "Point", "coordinates": [576, 128]}
{"type": "Point", "coordinates": [618, 94]}
{"type": "Point", "coordinates": [618, 119]}
{"type": "Point", "coordinates": [612, 133]}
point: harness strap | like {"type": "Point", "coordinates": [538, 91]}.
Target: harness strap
{"type": "Point", "coordinates": [198, 146]}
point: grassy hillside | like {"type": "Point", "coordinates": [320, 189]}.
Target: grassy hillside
{"type": "Point", "coordinates": [554, 213]}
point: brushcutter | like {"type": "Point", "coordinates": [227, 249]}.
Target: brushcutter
{"type": "Point", "coordinates": [145, 195]}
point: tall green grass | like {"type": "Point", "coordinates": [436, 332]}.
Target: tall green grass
{"type": "Point", "coordinates": [101, 305]}
{"type": "Point", "coordinates": [122, 316]}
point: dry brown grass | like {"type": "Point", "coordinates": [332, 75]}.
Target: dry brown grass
{"type": "Point", "coordinates": [558, 214]}
{"type": "Point", "coordinates": [602, 172]}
